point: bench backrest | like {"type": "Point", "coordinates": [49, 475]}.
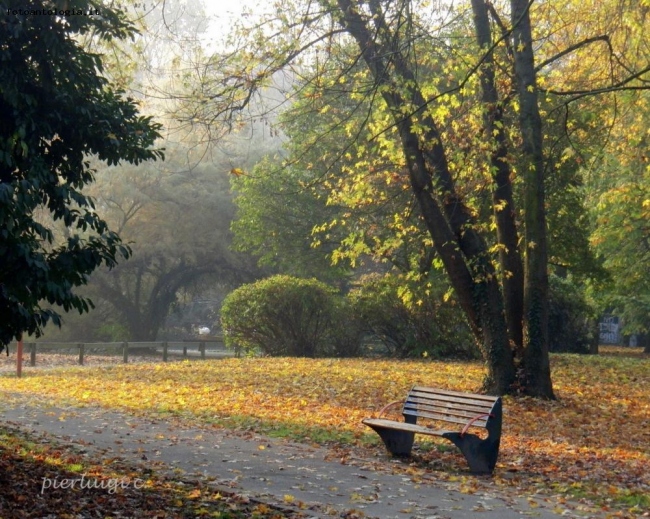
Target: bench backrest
{"type": "Point", "coordinates": [449, 406]}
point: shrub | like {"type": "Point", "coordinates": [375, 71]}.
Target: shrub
{"type": "Point", "coordinates": [572, 326]}
{"type": "Point", "coordinates": [410, 319]}
{"type": "Point", "coordinates": [347, 331]}
{"type": "Point", "coordinates": [280, 315]}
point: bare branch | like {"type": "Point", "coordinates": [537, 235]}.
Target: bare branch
{"type": "Point", "coordinates": [617, 87]}
{"type": "Point", "coordinates": [575, 47]}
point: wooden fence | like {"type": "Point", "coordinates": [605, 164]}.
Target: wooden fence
{"type": "Point", "coordinates": [212, 348]}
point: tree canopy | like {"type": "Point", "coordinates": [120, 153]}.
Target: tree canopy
{"type": "Point", "coordinates": [56, 112]}
{"type": "Point", "coordinates": [467, 105]}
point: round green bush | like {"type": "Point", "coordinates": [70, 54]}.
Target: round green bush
{"type": "Point", "coordinates": [280, 316]}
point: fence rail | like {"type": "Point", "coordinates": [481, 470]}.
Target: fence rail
{"type": "Point", "coordinates": [212, 348]}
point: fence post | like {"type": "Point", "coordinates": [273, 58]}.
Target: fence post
{"type": "Point", "coordinates": [125, 352]}
{"type": "Point", "coordinates": [81, 353]}
{"type": "Point", "coordinates": [202, 349]}
{"type": "Point", "coordinates": [19, 357]}
{"type": "Point", "coordinates": [165, 346]}
{"type": "Point", "coordinates": [184, 352]}
{"type": "Point", "coordinates": [32, 354]}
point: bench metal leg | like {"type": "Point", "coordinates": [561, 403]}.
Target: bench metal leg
{"type": "Point", "coordinates": [398, 443]}
{"type": "Point", "coordinates": [481, 455]}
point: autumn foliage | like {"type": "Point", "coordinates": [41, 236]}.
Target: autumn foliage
{"type": "Point", "coordinates": [591, 443]}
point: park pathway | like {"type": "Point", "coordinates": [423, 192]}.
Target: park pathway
{"type": "Point", "coordinates": [268, 468]}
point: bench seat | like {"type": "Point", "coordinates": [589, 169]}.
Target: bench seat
{"type": "Point", "coordinates": [403, 426]}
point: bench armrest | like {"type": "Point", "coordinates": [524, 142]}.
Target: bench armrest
{"type": "Point", "coordinates": [477, 417]}
{"type": "Point", "coordinates": [388, 406]}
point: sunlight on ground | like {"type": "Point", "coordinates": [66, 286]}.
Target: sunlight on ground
{"type": "Point", "coordinates": [592, 440]}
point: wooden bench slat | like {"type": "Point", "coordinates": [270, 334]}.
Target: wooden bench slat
{"type": "Point", "coordinates": [441, 408]}
{"type": "Point", "coordinates": [461, 401]}
{"type": "Point", "coordinates": [438, 409]}
{"type": "Point", "coordinates": [471, 396]}
{"type": "Point", "coordinates": [446, 418]}
{"type": "Point", "coordinates": [448, 393]}
{"type": "Point", "coordinates": [471, 409]}
{"type": "Point", "coordinates": [452, 401]}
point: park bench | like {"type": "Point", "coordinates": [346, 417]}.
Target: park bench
{"type": "Point", "coordinates": [436, 405]}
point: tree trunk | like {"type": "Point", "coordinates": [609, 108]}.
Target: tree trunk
{"type": "Point", "coordinates": [478, 290]}
{"type": "Point", "coordinates": [536, 372]}
{"type": "Point", "coordinates": [512, 271]}
{"type": "Point", "coordinates": [462, 250]}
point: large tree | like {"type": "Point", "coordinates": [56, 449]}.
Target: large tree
{"type": "Point", "coordinates": [56, 111]}
{"type": "Point", "coordinates": [500, 59]}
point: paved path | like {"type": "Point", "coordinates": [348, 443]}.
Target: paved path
{"type": "Point", "coordinates": [269, 468]}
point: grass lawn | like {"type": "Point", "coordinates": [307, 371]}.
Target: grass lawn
{"type": "Point", "coordinates": [592, 443]}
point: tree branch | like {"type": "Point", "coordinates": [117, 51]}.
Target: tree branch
{"type": "Point", "coordinates": [617, 87]}
{"type": "Point", "coordinates": [574, 47]}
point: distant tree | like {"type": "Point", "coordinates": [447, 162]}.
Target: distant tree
{"type": "Point", "coordinates": [57, 110]}
{"type": "Point", "coordinates": [621, 213]}
{"type": "Point", "coordinates": [176, 217]}
{"type": "Point", "coordinates": [277, 211]}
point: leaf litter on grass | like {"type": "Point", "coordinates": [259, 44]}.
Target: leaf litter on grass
{"type": "Point", "coordinates": [591, 444]}
{"type": "Point", "coordinates": [44, 479]}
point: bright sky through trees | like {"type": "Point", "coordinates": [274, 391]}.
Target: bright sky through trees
{"type": "Point", "coordinates": [223, 14]}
